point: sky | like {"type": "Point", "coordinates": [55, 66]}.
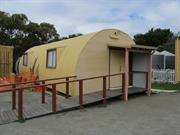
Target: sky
{"type": "Point", "coordinates": [86, 16]}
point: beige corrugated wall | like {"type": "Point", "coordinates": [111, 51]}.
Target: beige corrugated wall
{"type": "Point", "coordinates": [177, 67]}
{"type": "Point", "coordinates": [6, 60]}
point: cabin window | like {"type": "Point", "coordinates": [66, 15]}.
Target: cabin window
{"type": "Point", "coordinates": [51, 58]}
{"type": "Point", "coordinates": [25, 59]}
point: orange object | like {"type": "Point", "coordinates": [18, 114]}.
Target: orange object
{"type": "Point", "coordinates": [26, 76]}
{"type": "Point", "coordinates": [39, 89]}
{"type": "Point", "coordinates": [21, 78]}
{"type": "Point", "coordinates": [5, 88]}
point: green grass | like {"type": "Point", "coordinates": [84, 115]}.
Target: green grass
{"type": "Point", "coordinates": [166, 86]}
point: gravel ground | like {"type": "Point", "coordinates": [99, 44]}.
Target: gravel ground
{"type": "Point", "coordinates": [155, 115]}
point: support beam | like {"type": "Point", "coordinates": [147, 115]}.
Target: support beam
{"type": "Point", "coordinates": [147, 78]}
{"type": "Point", "coordinates": [43, 94]}
{"type": "Point", "coordinates": [20, 104]}
{"type": "Point", "coordinates": [109, 70]}
{"type": "Point", "coordinates": [123, 84]}
{"type": "Point", "coordinates": [81, 94]}
{"type": "Point", "coordinates": [67, 87]}
{"type": "Point", "coordinates": [53, 97]}
{"type": "Point", "coordinates": [126, 70]}
{"type": "Point", "coordinates": [14, 97]}
{"type": "Point", "coordinates": [104, 90]}
{"type": "Point", "coordinates": [149, 73]}
{"type": "Point", "coordinates": [130, 68]}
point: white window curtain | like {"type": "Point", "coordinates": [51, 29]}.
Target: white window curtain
{"type": "Point", "coordinates": [51, 62]}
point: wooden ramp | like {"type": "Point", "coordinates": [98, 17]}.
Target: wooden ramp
{"type": "Point", "coordinates": [33, 108]}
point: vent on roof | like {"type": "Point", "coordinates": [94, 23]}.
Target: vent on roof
{"type": "Point", "coordinates": [115, 35]}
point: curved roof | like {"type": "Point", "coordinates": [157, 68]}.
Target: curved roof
{"type": "Point", "coordinates": [71, 50]}
{"type": "Point", "coordinates": [83, 40]}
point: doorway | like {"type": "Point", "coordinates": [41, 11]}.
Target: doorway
{"type": "Point", "coordinates": [116, 65]}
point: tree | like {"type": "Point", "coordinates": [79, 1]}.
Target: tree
{"type": "Point", "coordinates": [75, 35]}
{"type": "Point", "coordinates": [48, 32]}
{"type": "Point", "coordinates": [71, 36]}
{"type": "Point", "coordinates": [17, 30]}
{"type": "Point", "coordinates": [161, 38]}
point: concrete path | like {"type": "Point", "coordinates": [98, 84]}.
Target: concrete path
{"type": "Point", "coordinates": [158, 114]}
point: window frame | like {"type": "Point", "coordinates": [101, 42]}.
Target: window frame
{"type": "Point", "coordinates": [25, 59]}
{"type": "Point", "coordinates": [50, 50]}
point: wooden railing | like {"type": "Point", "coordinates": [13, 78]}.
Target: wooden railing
{"type": "Point", "coordinates": [21, 85]}
{"type": "Point", "coordinates": [20, 88]}
{"type": "Point", "coordinates": [38, 81]}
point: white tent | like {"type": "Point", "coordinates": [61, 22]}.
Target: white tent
{"type": "Point", "coordinates": [165, 55]}
{"type": "Point", "coordinates": [157, 53]}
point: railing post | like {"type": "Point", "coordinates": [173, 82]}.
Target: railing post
{"type": "Point", "coordinates": [53, 97]}
{"type": "Point", "coordinates": [67, 87]}
{"type": "Point", "coordinates": [43, 94]}
{"type": "Point", "coordinates": [81, 94]}
{"type": "Point", "coordinates": [104, 90]}
{"type": "Point", "coordinates": [20, 104]}
{"type": "Point", "coordinates": [14, 97]}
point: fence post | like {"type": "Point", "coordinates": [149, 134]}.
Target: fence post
{"type": "Point", "coordinates": [81, 94]}
{"type": "Point", "coordinates": [104, 90]}
{"type": "Point", "coordinates": [20, 104]}
{"type": "Point", "coordinates": [14, 97]}
{"type": "Point", "coordinates": [43, 94]}
{"type": "Point", "coordinates": [53, 97]}
{"type": "Point", "coordinates": [67, 87]}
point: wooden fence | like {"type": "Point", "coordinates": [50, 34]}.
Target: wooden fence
{"type": "Point", "coordinates": [161, 75]}
{"type": "Point", "coordinates": [6, 60]}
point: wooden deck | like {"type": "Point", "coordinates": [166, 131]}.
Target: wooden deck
{"type": "Point", "coordinates": [33, 108]}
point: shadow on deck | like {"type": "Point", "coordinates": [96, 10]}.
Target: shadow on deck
{"type": "Point", "coordinates": [33, 108]}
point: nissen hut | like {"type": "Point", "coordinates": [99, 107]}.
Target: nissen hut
{"type": "Point", "coordinates": [104, 52]}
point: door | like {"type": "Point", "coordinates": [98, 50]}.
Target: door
{"type": "Point", "coordinates": [116, 66]}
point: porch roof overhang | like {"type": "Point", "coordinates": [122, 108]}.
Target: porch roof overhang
{"type": "Point", "coordinates": [132, 46]}
{"type": "Point", "coordinates": [117, 45]}
{"type": "Point", "coordinates": [144, 47]}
